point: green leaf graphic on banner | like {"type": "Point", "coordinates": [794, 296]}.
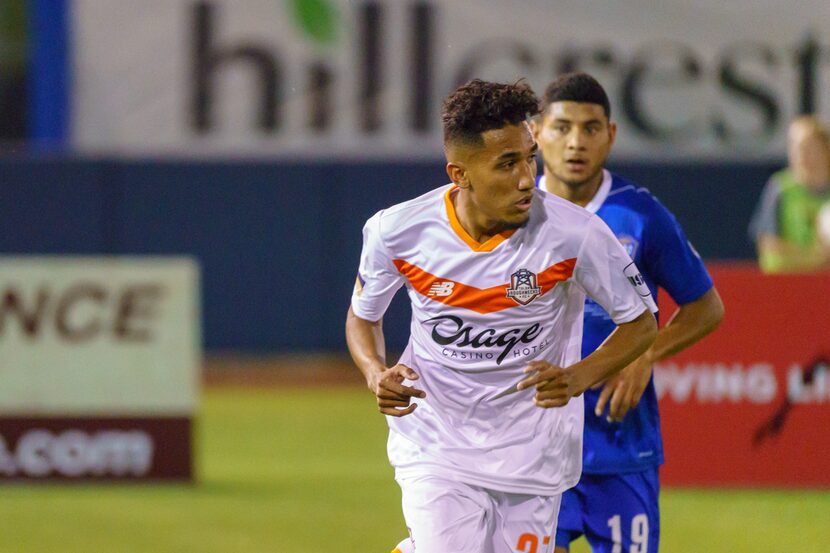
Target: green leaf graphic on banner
{"type": "Point", "coordinates": [318, 18]}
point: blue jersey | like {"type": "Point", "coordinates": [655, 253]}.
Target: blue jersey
{"type": "Point", "coordinates": [658, 246]}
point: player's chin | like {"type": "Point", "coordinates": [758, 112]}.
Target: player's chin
{"type": "Point", "coordinates": [517, 219]}
{"type": "Point", "coordinates": [578, 178]}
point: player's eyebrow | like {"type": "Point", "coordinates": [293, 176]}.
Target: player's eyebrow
{"type": "Point", "coordinates": [515, 153]}
{"type": "Point", "coordinates": [571, 122]}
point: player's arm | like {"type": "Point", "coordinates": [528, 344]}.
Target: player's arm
{"type": "Point", "coordinates": [376, 284]}
{"type": "Point", "coordinates": [555, 386]}
{"type": "Point", "coordinates": [691, 322]}
{"type": "Point", "coordinates": [367, 347]}
{"type": "Point", "coordinates": [776, 255]}
{"type": "Point", "coordinates": [675, 266]}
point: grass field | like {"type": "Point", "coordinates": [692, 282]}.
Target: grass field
{"type": "Point", "coordinates": [303, 470]}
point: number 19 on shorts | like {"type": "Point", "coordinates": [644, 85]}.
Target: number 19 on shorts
{"type": "Point", "coordinates": [639, 534]}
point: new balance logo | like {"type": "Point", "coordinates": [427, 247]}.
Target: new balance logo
{"type": "Point", "coordinates": [441, 288]}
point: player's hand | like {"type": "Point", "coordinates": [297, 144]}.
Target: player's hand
{"type": "Point", "coordinates": [624, 390]}
{"type": "Point", "coordinates": [554, 385]}
{"type": "Point", "coordinates": [392, 395]}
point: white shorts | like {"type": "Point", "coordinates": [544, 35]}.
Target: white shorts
{"type": "Point", "coordinates": [443, 516]}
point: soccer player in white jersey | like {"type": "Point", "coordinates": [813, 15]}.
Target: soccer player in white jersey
{"type": "Point", "coordinates": [484, 407]}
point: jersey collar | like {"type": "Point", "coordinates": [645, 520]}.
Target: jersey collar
{"type": "Point", "coordinates": [599, 198]}
{"type": "Point", "coordinates": [475, 245]}
{"type": "Point", "coordinates": [602, 193]}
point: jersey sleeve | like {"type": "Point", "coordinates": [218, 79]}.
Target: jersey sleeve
{"type": "Point", "coordinates": [672, 261]}
{"type": "Point", "coordinates": [377, 277]}
{"type": "Point", "coordinates": [609, 276]}
{"type": "Point", "coordinates": [765, 218]}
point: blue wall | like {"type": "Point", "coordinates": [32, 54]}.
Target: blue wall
{"type": "Point", "coordinates": [279, 244]}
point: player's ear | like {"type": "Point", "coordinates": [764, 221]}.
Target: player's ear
{"type": "Point", "coordinates": [458, 174]}
{"type": "Point", "coordinates": [535, 126]}
{"type": "Point", "coordinates": [612, 132]}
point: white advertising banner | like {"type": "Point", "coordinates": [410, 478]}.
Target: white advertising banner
{"type": "Point", "coordinates": [346, 79]}
{"type": "Point", "coordinates": [98, 336]}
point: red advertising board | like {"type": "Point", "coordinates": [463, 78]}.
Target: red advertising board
{"type": "Point", "coordinates": [750, 404]}
{"type": "Point", "coordinates": [95, 448]}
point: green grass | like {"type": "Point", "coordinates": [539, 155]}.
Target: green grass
{"type": "Point", "coordinates": [305, 471]}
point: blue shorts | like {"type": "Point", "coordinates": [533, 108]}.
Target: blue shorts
{"type": "Point", "coordinates": [612, 510]}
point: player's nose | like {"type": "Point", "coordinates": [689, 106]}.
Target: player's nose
{"type": "Point", "coordinates": [575, 140]}
{"type": "Point", "coordinates": [527, 179]}
{"type": "Point", "coordinates": [525, 184]}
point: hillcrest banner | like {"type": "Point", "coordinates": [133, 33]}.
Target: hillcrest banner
{"type": "Point", "coordinates": [365, 79]}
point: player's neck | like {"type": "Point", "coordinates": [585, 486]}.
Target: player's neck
{"type": "Point", "coordinates": [480, 228]}
{"type": "Point", "coordinates": [581, 194]}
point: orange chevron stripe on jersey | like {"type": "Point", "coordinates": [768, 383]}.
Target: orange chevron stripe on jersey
{"type": "Point", "coordinates": [480, 300]}
{"type": "Point", "coordinates": [475, 245]}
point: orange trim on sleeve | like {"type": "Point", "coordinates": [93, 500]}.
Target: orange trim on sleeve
{"type": "Point", "coordinates": [480, 300]}
{"type": "Point", "coordinates": [476, 246]}
{"type": "Point", "coordinates": [563, 270]}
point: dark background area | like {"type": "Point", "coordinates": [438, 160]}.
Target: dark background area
{"type": "Point", "coordinates": [279, 243]}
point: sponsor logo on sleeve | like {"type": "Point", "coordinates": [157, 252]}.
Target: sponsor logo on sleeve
{"type": "Point", "coordinates": [636, 279]}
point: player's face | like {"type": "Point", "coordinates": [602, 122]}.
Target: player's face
{"type": "Point", "coordinates": [575, 139]}
{"type": "Point", "coordinates": [501, 176]}
{"type": "Point", "coordinates": [809, 156]}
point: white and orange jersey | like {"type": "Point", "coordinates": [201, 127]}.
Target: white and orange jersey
{"type": "Point", "coordinates": [480, 313]}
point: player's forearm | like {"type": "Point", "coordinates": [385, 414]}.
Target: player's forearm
{"type": "Point", "coordinates": [690, 323]}
{"type": "Point", "coordinates": [779, 256]}
{"type": "Point", "coordinates": [366, 345]}
{"type": "Point", "coordinates": [624, 345]}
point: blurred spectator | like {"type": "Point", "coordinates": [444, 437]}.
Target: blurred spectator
{"type": "Point", "coordinates": [786, 222]}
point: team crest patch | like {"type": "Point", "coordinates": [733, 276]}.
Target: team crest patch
{"type": "Point", "coordinates": [523, 287]}
{"type": "Point", "coordinates": [630, 244]}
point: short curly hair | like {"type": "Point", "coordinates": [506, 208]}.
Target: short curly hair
{"type": "Point", "coordinates": [577, 87]}
{"type": "Point", "coordinates": [480, 106]}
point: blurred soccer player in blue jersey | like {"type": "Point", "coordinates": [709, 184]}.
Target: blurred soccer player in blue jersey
{"type": "Point", "coordinates": [615, 504]}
